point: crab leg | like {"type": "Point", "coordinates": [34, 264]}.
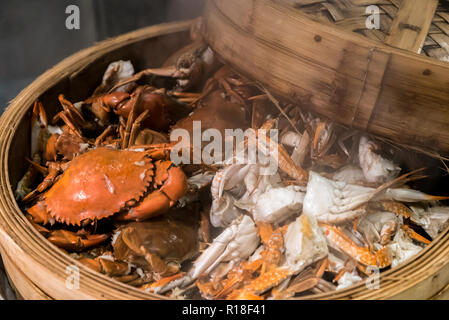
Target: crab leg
{"type": "Point", "coordinates": [73, 242]}
{"type": "Point", "coordinates": [306, 280]}
{"type": "Point", "coordinates": [131, 118]}
{"type": "Point", "coordinates": [409, 195]}
{"type": "Point", "coordinates": [336, 201]}
{"type": "Point", "coordinates": [39, 112]}
{"type": "Point", "coordinates": [106, 266]}
{"type": "Point", "coordinates": [270, 258]}
{"type": "Point", "coordinates": [54, 169]}
{"type": "Point", "coordinates": [70, 115]}
{"type": "Point", "coordinates": [301, 150]}
{"type": "Point", "coordinates": [381, 258]}
{"type": "Point", "coordinates": [178, 94]}
{"type": "Point", "coordinates": [274, 242]}
{"type": "Point", "coordinates": [398, 208]}
{"type": "Point", "coordinates": [107, 132]}
{"type": "Point", "coordinates": [70, 124]}
{"type": "Point", "coordinates": [220, 289]}
{"type": "Point", "coordinates": [136, 127]}
{"type": "Point", "coordinates": [71, 110]}
{"type": "Point", "coordinates": [414, 235]}
{"type": "Point", "coordinates": [285, 163]}
{"type": "Point", "coordinates": [261, 284]}
{"type": "Point", "coordinates": [270, 275]}
{"type": "Point", "coordinates": [50, 148]}
{"type": "Point", "coordinates": [162, 282]}
{"type": "Point", "coordinates": [42, 170]}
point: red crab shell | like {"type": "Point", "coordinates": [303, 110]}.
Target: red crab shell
{"type": "Point", "coordinates": [99, 184]}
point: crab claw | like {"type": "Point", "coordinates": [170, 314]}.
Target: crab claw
{"type": "Point", "coordinates": [159, 201]}
{"type": "Point", "coordinates": [74, 241]}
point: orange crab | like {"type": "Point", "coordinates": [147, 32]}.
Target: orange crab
{"type": "Point", "coordinates": [130, 185]}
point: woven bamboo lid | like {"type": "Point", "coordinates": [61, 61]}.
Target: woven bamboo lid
{"type": "Point", "coordinates": [352, 15]}
{"type": "Point", "coordinates": [321, 55]}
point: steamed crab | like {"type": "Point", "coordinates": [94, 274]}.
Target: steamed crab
{"type": "Point", "coordinates": [157, 245]}
{"type": "Point", "coordinates": [129, 185]}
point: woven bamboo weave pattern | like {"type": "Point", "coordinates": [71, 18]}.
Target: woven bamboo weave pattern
{"type": "Point", "coordinates": [351, 15]}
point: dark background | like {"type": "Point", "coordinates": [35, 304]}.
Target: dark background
{"type": "Point", "coordinates": [33, 35]}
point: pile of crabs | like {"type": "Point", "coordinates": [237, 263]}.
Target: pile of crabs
{"type": "Point", "coordinates": [101, 186]}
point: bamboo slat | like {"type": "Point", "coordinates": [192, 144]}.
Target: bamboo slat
{"type": "Point", "coordinates": [351, 16]}
{"type": "Point", "coordinates": [22, 285]}
{"type": "Point", "coordinates": [341, 75]}
{"type": "Point", "coordinates": [411, 25]}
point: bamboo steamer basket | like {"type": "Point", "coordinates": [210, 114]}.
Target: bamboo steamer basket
{"type": "Point", "coordinates": [37, 268]}
{"type": "Point", "coordinates": [319, 54]}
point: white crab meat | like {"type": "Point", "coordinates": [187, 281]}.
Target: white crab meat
{"type": "Point", "coordinates": [243, 182]}
{"type": "Point", "coordinates": [350, 174]}
{"type": "Point", "coordinates": [402, 248]}
{"type": "Point", "coordinates": [278, 204]}
{"type": "Point", "coordinates": [348, 279]}
{"type": "Point", "coordinates": [256, 185]}
{"type": "Point", "coordinates": [377, 227]}
{"type": "Point", "coordinates": [118, 71]}
{"type": "Point", "coordinates": [291, 139]}
{"type": "Point", "coordinates": [304, 243]}
{"type": "Point", "coordinates": [336, 264]}
{"type": "Point", "coordinates": [223, 211]}
{"type": "Point", "coordinates": [432, 219]}
{"type": "Point", "coordinates": [375, 168]}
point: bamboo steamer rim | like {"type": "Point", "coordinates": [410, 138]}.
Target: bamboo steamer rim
{"type": "Point", "coordinates": [39, 259]}
{"type": "Point", "coordinates": [36, 257]}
